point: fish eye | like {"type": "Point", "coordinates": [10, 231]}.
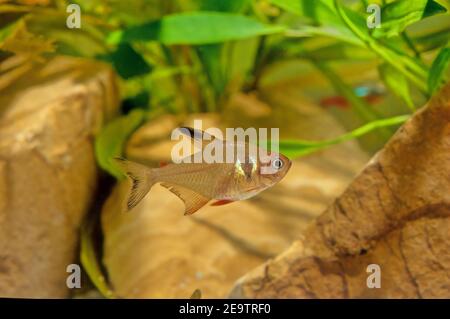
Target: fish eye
{"type": "Point", "coordinates": [277, 164]}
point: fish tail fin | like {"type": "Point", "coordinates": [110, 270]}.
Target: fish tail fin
{"type": "Point", "coordinates": [141, 179]}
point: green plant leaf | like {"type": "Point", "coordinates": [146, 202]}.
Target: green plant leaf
{"type": "Point", "coordinates": [17, 38]}
{"type": "Point", "coordinates": [127, 62]}
{"type": "Point", "coordinates": [325, 20]}
{"type": "Point", "coordinates": [433, 33]}
{"type": "Point", "coordinates": [319, 11]}
{"type": "Point", "coordinates": [298, 148]}
{"type": "Point", "coordinates": [211, 58]}
{"type": "Point", "coordinates": [433, 8]}
{"type": "Point", "coordinates": [325, 31]}
{"type": "Point", "coordinates": [223, 5]}
{"type": "Point", "coordinates": [241, 62]}
{"type": "Point", "coordinates": [340, 51]}
{"type": "Point", "coordinates": [437, 75]}
{"type": "Point", "coordinates": [329, 51]}
{"type": "Point", "coordinates": [397, 83]}
{"type": "Point", "coordinates": [90, 261]}
{"type": "Point", "coordinates": [397, 15]}
{"type": "Point", "coordinates": [112, 138]}
{"type": "Point", "coordinates": [292, 6]}
{"type": "Point", "coordinates": [212, 55]}
{"type": "Point", "coordinates": [355, 21]}
{"type": "Point", "coordinates": [6, 31]}
{"type": "Point", "coordinates": [196, 28]}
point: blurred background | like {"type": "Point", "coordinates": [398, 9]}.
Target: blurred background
{"type": "Point", "coordinates": [82, 84]}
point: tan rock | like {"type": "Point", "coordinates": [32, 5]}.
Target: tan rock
{"type": "Point", "coordinates": [48, 175]}
{"type": "Point", "coordinates": [395, 214]}
{"type": "Point", "coordinates": [154, 251]}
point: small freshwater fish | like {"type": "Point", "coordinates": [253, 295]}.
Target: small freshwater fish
{"type": "Point", "coordinates": [371, 94]}
{"type": "Point", "coordinates": [199, 183]}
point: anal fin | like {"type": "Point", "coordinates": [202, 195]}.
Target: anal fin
{"type": "Point", "coordinates": [193, 201]}
{"type": "Point", "coordinates": [222, 202]}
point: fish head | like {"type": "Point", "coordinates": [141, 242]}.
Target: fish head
{"type": "Point", "coordinates": [274, 167]}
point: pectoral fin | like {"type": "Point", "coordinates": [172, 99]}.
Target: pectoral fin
{"type": "Point", "coordinates": [163, 163]}
{"type": "Point", "coordinates": [192, 201]}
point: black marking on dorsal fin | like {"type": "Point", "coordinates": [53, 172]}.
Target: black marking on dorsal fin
{"type": "Point", "coordinates": [196, 134]}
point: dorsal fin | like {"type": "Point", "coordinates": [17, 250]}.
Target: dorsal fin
{"type": "Point", "coordinates": [192, 201]}
{"type": "Point", "coordinates": [196, 134]}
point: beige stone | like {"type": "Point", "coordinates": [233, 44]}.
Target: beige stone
{"type": "Point", "coordinates": [49, 114]}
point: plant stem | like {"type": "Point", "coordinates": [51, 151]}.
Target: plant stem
{"type": "Point", "coordinates": [410, 44]}
{"type": "Point", "coordinates": [205, 85]}
{"type": "Point", "coordinates": [298, 148]}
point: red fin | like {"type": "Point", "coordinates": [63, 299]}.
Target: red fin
{"type": "Point", "coordinates": [336, 101]}
{"type": "Point", "coordinates": [222, 202]}
{"type": "Point", "coordinates": [162, 164]}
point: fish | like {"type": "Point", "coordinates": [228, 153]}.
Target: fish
{"type": "Point", "coordinates": [196, 184]}
{"type": "Point", "coordinates": [371, 94]}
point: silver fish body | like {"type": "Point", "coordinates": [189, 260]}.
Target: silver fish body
{"type": "Point", "coordinates": [198, 183]}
